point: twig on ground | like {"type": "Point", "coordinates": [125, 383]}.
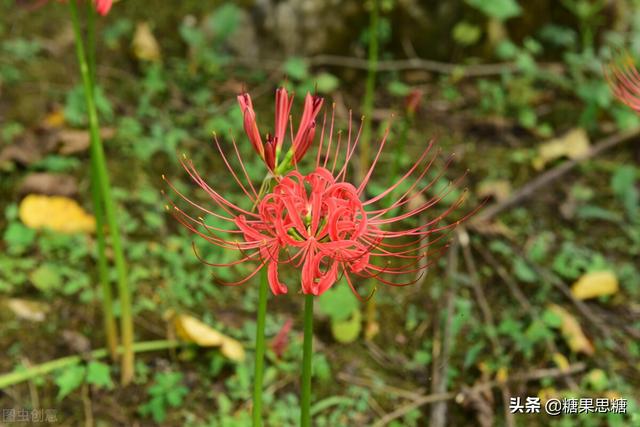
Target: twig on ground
{"type": "Point", "coordinates": [553, 174]}
{"type": "Point", "coordinates": [489, 319]}
{"type": "Point", "coordinates": [388, 389]}
{"type": "Point", "coordinates": [522, 299]}
{"type": "Point", "coordinates": [442, 342]}
{"type": "Point", "coordinates": [459, 396]}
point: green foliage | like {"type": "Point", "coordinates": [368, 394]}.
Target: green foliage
{"type": "Point", "coordinates": [498, 9]}
{"type": "Point", "coordinates": [75, 109]}
{"type": "Point", "coordinates": [99, 375]}
{"type": "Point", "coordinates": [69, 379]}
{"type": "Point", "coordinates": [166, 392]}
{"type": "Point", "coordinates": [466, 34]}
{"type": "Point", "coordinates": [623, 184]}
{"type": "Point", "coordinates": [18, 238]}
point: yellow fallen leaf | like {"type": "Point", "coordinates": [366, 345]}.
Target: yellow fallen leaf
{"type": "Point", "coordinates": [547, 393]}
{"type": "Point", "coordinates": [232, 350]}
{"type": "Point", "coordinates": [54, 119]}
{"type": "Point", "coordinates": [502, 374]}
{"type": "Point", "coordinates": [55, 212]}
{"type": "Point", "coordinates": [560, 361]}
{"type": "Point", "coordinates": [145, 46]}
{"type": "Point", "coordinates": [193, 330]}
{"type": "Point", "coordinates": [596, 284]}
{"type": "Point", "coordinates": [572, 332]}
{"type": "Point", "coordinates": [573, 144]}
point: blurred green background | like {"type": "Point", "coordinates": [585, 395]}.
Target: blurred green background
{"type": "Point", "coordinates": [515, 88]}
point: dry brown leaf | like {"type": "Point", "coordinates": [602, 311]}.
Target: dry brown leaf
{"type": "Point", "coordinates": [573, 144]}
{"type": "Point", "coordinates": [55, 212]}
{"type": "Point", "coordinates": [29, 310]}
{"type": "Point", "coordinates": [29, 148]}
{"type": "Point", "coordinates": [50, 184]}
{"type": "Point", "coordinates": [77, 140]}
{"type": "Point", "coordinates": [572, 332]}
{"type": "Point", "coordinates": [145, 46]}
{"type": "Point", "coordinates": [193, 330]}
{"type": "Point", "coordinates": [596, 284]}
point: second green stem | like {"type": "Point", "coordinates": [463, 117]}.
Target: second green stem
{"type": "Point", "coordinates": [97, 152]}
{"type": "Point", "coordinates": [307, 357]}
{"type": "Point", "coordinates": [260, 349]}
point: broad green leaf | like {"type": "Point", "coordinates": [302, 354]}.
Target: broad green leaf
{"type": "Point", "coordinates": [498, 9]}
{"type": "Point", "coordinates": [623, 184]}
{"type": "Point", "coordinates": [98, 374]}
{"type": "Point", "coordinates": [47, 277]}
{"type": "Point", "coordinates": [466, 34]}
{"type": "Point", "coordinates": [296, 68]}
{"type": "Point", "coordinates": [69, 379]}
{"type": "Point", "coordinates": [326, 82]}
{"type": "Point", "coordinates": [346, 331]}
{"type": "Point", "coordinates": [338, 302]}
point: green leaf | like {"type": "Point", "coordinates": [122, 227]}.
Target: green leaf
{"type": "Point", "coordinates": [346, 331]}
{"type": "Point", "coordinates": [551, 319]}
{"type": "Point", "coordinates": [18, 238]}
{"type": "Point", "coordinates": [398, 88]}
{"type": "Point", "coordinates": [623, 184]}
{"type": "Point", "coordinates": [498, 9]}
{"type": "Point", "coordinates": [69, 379]}
{"type": "Point", "coordinates": [523, 272]}
{"type": "Point", "coordinates": [338, 302]}
{"type": "Point", "coordinates": [224, 21]}
{"type": "Point", "coordinates": [296, 68]}
{"type": "Point", "coordinates": [47, 277]}
{"type": "Point", "coordinates": [466, 34]}
{"type": "Point", "coordinates": [326, 82]}
{"type": "Point", "coordinates": [98, 374]}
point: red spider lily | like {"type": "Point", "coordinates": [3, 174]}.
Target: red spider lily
{"type": "Point", "coordinates": [323, 225]}
{"type": "Point", "coordinates": [102, 6]}
{"type": "Point", "coordinates": [624, 81]}
{"type": "Point", "coordinates": [271, 149]}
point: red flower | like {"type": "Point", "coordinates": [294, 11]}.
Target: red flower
{"type": "Point", "coordinates": [271, 149]}
{"type": "Point", "coordinates": [624, 81]}
{"type": "Point", "coordinates": [103, 6]}
{"type": "Point", "coordinates": [320, 223]}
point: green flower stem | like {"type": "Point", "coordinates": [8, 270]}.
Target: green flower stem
{"type": "Point", "coordinates": [25, 374]}
{"type": "Point", "coordinates": [126, 321]}
{"type": "Point", "coordinates": [367, 104]}
{"type": "Point", "coordinates": [110, 328]}
{"type": "Point", "coordinates": [307, 355]}
{"type": "Point", "coordinates": [260, 349]}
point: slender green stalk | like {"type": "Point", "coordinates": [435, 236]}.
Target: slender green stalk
{"type": "Point", "coordinates": [367, 112]}
{"type": "Point", "coordinates": [307, 355]}
{"type": "Point", "coordinates": [25, 374]}
{"type": "Point", "coordinates": [260, 349]}
{"type": "Point", "coordinates": [110, 328]}
{"type": "Point", "coordinates": [367, 105]}
{"type": "Point", "coordinates": [126, 321]}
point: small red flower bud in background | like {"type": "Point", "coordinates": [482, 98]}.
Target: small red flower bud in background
{"type": "Point", "coordinates": [103, 6]}
{"type": "Point", "coordinates": [412, 100]}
